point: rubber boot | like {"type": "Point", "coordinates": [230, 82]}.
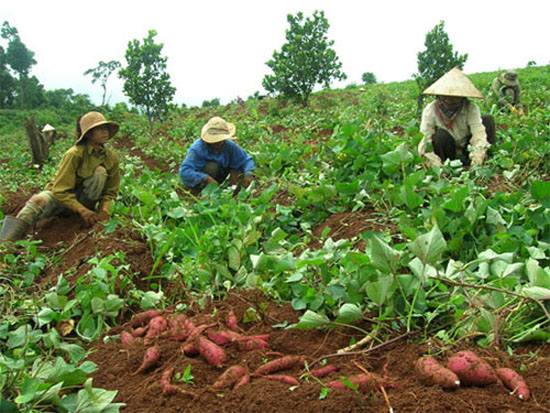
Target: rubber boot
{"type": "Point", "coordinates": [13, 229]}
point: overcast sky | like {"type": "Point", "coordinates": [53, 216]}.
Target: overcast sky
{"type": "Point", "coordinates": [218, 48]}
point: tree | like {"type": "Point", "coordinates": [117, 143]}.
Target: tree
{"type": "Point", "coordinates": [101, 74]}
{"type": "Point", "coordinates": [18, 57]}
{"type": "Point", "coordinates": [436, 60]}
{"type": "Point", "coordinates": [368, 78]}
{"type": "Point", "coordinates": [146, 82]}
{"type": "Point", "coordinates": [305, 60]}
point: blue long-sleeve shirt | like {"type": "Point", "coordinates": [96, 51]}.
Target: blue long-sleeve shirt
{"type": "Point", "coordinates": [232, 156]}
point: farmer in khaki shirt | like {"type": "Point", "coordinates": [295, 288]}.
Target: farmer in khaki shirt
{"type": "Point", "coordinates": [86, 182]}
{"type": "Point", "coordinates": [452, 125]}
{"type": "Point", "coordinates": [506, 91]}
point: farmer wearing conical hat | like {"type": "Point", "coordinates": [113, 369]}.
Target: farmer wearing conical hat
{"type": "Point", "coordinates": [86, 182]}
{"type": "Point", "coordinates": [452, 125]}
{"type": "Point", "coordinates": [214, 156]}
{"type": "Point", "coordinates": [506, 90]}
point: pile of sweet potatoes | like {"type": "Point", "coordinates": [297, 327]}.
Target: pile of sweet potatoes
{"type": "Point", "coordinates": [466, 368]}
{"type": "Point", "coordinates": [215, 341]}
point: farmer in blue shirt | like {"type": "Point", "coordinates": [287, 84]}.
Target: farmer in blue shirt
{"type": "Point", "coordinates": [214, 156]}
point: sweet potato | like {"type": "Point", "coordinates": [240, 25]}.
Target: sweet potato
{"type": "Point", "coordinates": [362, 381]}
{"type": "Point", "coordinates": [139, 332]}
{"type": "Point", "coordinates": [223, 337]}
{"type": "Point", "coordinates": [168, 388]}
{"type": "Point", "coordinates": [213, 354]}
{"type": "Point", "coordinates": [282, 378]}
{"type": "Point", "coordinates": [323, 371]}
{"type": "Point", "coordinates": [283, 363]}
{"type": "Point", "coordinates": [252, 344]}
{"type": "Point", "coordinates": [190, 349]}
{"type": "Point", "coordinates": [150, 358]}
{"type": "Point", "coordinates": [231, 321]}
{"type": "Point", "coordinates": [471, 369]}
{"type": "Point", "coordinates": [157, 325]}
{"type": "Point", "coordinates": [430, 369]}
{"type": "Point", "coordinates": [514, 382]}
{"type": "Point", "coordinates": [142, 319]}
{"type": "Point", "coordinates": [126, 339]}
{"type": "Point", "coordinates": [243, 381]}
{"type": "Point", "coordinates": [230, 378]}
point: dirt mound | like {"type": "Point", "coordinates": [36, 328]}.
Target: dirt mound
{"type": "Point", "coordinates": [394, 362]}
{"type": "Point", "coordinates": [347, 225]}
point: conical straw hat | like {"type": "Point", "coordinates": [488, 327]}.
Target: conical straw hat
{"type": "Point", "coordinates": [454, 83]}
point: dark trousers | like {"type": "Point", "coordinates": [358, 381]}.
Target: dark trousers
{"type": "Point", "coordinates": [445, 146]}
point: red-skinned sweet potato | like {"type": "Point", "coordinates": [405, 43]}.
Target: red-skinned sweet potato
{"type": "Point", "coordinates": [213, 354]}
{"type": "Point", "coordinates": [283, 363]}
{"type": "Point", "coordinates": [471, 370]}
{"type": "Point", "coordinates": [514, 382]}
{"type": "Point", "coordinates": [139, 332]}
{"type": "Point", "coordinates": [168, 388]}
{"type": "Point", "coordinates": [361, 381]}
{"type": "Point", "coordinates": [150, 358]}
{"type": "Point", "coordinates": [430, 369]}
{"type": "Point", "coordinates": [126, 339]}
{"type": "Point", "coordinates": [252, 344]}
{"type": "Point", "coordinates": [142, 319]}
{"type": "Point", "coordinates": [230, 378]}
{"type": "Point", "coordinates": [291, 381]}
{"type": "Point", "coordinates": [231, 321]}
{"type": "Point", "coordinates": [323, 371]}
{"type": "Point", "coordinates": [157, 325]}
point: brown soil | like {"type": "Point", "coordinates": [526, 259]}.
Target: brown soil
{"type": "Point", "coordinates": [347, 225]}
{"type": "Point", "coordinates": [391, 363]}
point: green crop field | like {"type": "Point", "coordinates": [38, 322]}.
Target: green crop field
{"type": "Point", "coordinates": [450, 254]}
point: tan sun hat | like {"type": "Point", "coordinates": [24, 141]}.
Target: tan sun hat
{"type": "Point", "coordinates": [454, 83]}
{"type": "Point", "coordinates": [217, 130]}
{"type": "Point", "coordinates": [509, 78]}
{"type": "Point", "coordinates": [47, 128]}
{"type": "Point", "coordinates": [94, 119]}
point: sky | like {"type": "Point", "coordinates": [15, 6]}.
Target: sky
{"type": "Point", "coordinates": [219, 48]}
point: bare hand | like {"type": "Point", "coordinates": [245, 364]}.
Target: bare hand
{"type": "Point", "coordinates": [89, 217]}
{"type": "Point", "coordinates": [209, 180]}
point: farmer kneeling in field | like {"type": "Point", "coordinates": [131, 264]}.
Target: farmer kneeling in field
{"type": "Point", "coordinates": [452, 125]}
{"type": "Point", "coordinates": [87, 178]}
{"type": "Point", "coordinates": [506, 91]}
{"type": "Point", "coordinates": [215, 156]}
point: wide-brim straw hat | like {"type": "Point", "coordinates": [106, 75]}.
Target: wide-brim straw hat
{"type": "Point", "coordinates": [217, 130]}
{"type": "Point", "coordinates": [505, 78]}
{"type": "Point", "coordinates": [454, 83]}
{"type": "Point", "coordinates": [94, 119]}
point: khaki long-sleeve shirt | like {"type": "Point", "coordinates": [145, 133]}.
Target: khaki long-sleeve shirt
{"type": "Point", "coordinates": [467, 123]}
{"type": "Point", "coordinates": [79, 163]}
{"type": "Point", "coordinates": [505, 94]}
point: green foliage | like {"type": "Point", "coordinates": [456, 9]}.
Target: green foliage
{"type": "Point", "coordinates": [305, 60]}
{"type": "Point", "coordinates": [368, 78]}
{"type": "Point", "coordinates": [438, 58]}
{"type": "Point", "coordinates": [101, 74]}
{"type": "Point", "coordinates": [146, 82]}
{"type": "Point", "coordinates": [211, 103]}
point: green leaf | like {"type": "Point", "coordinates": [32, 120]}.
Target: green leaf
{"type": "Point", "coordinates": [384, 258]}
{"type": "Point", "coordinates": [378, 290]}
{"type": "Point", "coordinates": [456, 203]}
{"type": "Point", "coordinates": [349, 313]}
{"type": "Point", "coordinates": [538, 293]}
{"type": "Point", "coordinates": [310, 320]}
{"type": "Point", "coordinates": [540, 189]}
{"type": "Point", "coordinates": [538, 277]}
{"type": "Point", "coordinates": [429, 247]}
